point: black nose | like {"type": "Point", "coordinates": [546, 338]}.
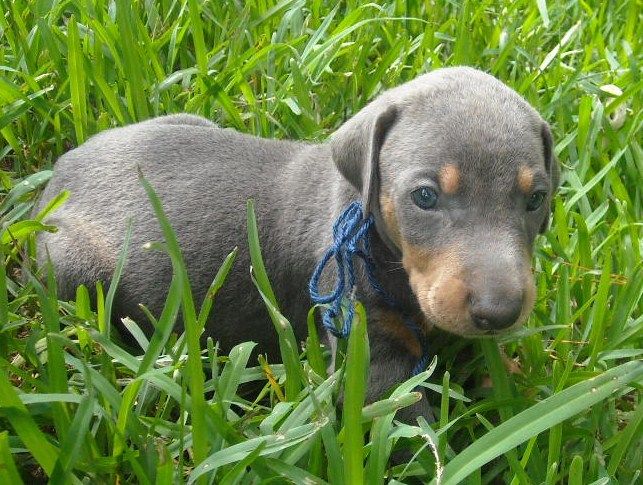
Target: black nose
{"type": "Point", "coordinates": [494, 313]}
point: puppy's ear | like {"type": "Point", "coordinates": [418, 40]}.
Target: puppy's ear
{"type": "Point", "coordinates": [356, 150]}
{"type": "Point", "coordinates": [551, 164]}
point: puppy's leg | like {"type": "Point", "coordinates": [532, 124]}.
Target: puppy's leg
{"type": "Point", "coordinates": [81, 251]}
{"type": "Point", "coordinates": [395, 351]}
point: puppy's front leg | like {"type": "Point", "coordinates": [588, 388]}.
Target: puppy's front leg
{"type": "Point", "coordinates": [395, 352]}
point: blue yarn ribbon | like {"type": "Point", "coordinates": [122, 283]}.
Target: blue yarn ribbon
{"type": "Point", "coordinates": [351, 240]}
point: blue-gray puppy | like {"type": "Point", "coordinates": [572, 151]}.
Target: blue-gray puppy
{"type": "Point", "coordinates": [456, 168]}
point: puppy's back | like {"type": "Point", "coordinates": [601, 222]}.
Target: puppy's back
{"type": "Point", "coordinates": [203, 175]}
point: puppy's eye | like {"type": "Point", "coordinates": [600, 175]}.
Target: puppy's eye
{"type": "Point", "coordinates": [535, 200]}
{"type": "Point", "coordinates": [425, 197]}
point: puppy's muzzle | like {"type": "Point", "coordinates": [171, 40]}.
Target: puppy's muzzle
{"type": "Point", "coordinates": [472, 292]}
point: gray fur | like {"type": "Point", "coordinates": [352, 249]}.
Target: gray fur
{"type": "Point", "coordinates": [204, 175]}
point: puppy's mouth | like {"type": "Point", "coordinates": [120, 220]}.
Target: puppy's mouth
{"type": "Point", "coordinates": [451, 301]}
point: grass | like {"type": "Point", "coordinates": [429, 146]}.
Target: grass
{"type": "Point", "coordinates": [75, 406]}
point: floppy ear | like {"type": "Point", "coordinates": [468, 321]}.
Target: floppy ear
{"type": "Point", "coordinates": [551, 165]}
{"type": "Point", "coordinates": [356, 151]}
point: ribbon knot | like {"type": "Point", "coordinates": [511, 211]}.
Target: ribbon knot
{"type": "Point", "coordinates": [351, 239]}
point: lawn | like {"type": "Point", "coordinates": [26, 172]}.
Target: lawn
{"type": "Point", "coordinates": [76, 406]}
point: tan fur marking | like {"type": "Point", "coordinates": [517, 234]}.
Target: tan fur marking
{"type": "Point", "coordinates": [438, 281]}
{"type": "Point", "coordinates": [390, 219]}
{"type": "Point", "coordinates": [438, 285]}
{"type": "Point", "coordinates": [449, 178]}
{"type": "Point", "coordinates": [525, 179]}
{"type": "Point", "coordinates": [399, 331]}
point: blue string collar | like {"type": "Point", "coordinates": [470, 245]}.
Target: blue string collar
{"type": "Point", "coordinates": [351, 241]}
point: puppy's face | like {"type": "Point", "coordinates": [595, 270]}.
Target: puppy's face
{"type": "Point", "coordinates": [465, 179]}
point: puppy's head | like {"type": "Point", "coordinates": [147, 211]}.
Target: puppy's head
{"type": "Point", "coordinates": [458, 171]}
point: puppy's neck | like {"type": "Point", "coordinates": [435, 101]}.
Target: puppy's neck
{"type": "Point", "coordinates": [391, 274]}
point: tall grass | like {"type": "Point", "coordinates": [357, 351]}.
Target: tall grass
{"type": "Point", "coordinates": [77, 406]}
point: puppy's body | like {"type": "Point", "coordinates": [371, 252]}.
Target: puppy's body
{"type": "Point", "coordinates": [203, 175]}
{"type": "Point", "coordinates": [457, 132]}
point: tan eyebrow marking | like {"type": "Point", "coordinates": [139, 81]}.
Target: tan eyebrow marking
{"type": "Point", "coordinates": [449, 178]}
{"type": "Point", "coordinates": [525, 179]}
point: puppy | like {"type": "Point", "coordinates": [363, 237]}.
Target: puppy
{"type": "Point", "coordinates": [456, 169]}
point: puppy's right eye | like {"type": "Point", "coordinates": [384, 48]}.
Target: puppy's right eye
{"type": "Point", "coordinates": [425, 198]}
{"type": "Point", "coordinates": [536, 200]}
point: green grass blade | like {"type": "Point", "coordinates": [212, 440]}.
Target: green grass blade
{"type": "Point", "coordinates": [135, 331]}
{"type": "Point", "coordinates": [259, 269]}
{"type": "Point", "coordinates": [287, 340]}
{"type": "Point", "coordinates": [129, 396]}
{"type": "Point", "coordinates": [504, 390]}
{"type": "Point", "coordinates": [4, 306]}
{"type": "Point", "coordinates": [165, 474]}
{"type": "Point", "coordinates": [576, 471]}
{"type": "Point", "coordinates": [165, 323]}
{"type": "Point", "coordinates": [195, 366]}
{"type": "Point", "coordinates": [389, 406]}
{"type": "Point", "coordinates": [77, 81]}
{"type": "Point", "coordinates": [357, 363]}
{"type": "Point", "coordinates": [231, 375]}
{"type": "Point", "coordinates": [444, 413]}
{"type": "Point", "coordinates": [113, 284]}
{"type": "Point", "coordinates": [16, 413]}
{"type": "Point", "coordinates": [313, 346]}
{"type": "Point", "coordinates": [314, 402]}
{"type": "Point", "coordinates": [56, 370]}
{"type": "Point", "coordinates": [28, 184]}
{"type": "Point", "coordinates": [197, 35]}
{"type": "Point", "coordinates": [18, 232]}
{"type": "Point", "coordinates": [52, 205]}
{"type": "Point", "coordinates": [540, 417]}
{"type": "Point", "coordinates": [627, 436]}
{"type": "Point", "coordinates": [132, 61]}
{"type": "Point", "coordinates": [334, 455]}
{"type": "Point", "coordinates": [287, 348]}
{"type": "Point", "coordinates": [599, 308]}
{"type": "Point", "coordinates": [234, 475]}
{"type": "Point", "coordinates": [8, 471]}
{"type": "Point", "coordinates": [71, 450]}
{"type": "Point", "coordinates": [272, 444]}
{"type": "Point", "coordinates": [293, 474]}
{"type": "Point", "coordinates": [216, 285]}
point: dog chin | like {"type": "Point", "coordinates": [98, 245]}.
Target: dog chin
{"type": "Point", "coordinates": [461, 329]}
{"type": "Point", "coordinates": [466, 330]}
